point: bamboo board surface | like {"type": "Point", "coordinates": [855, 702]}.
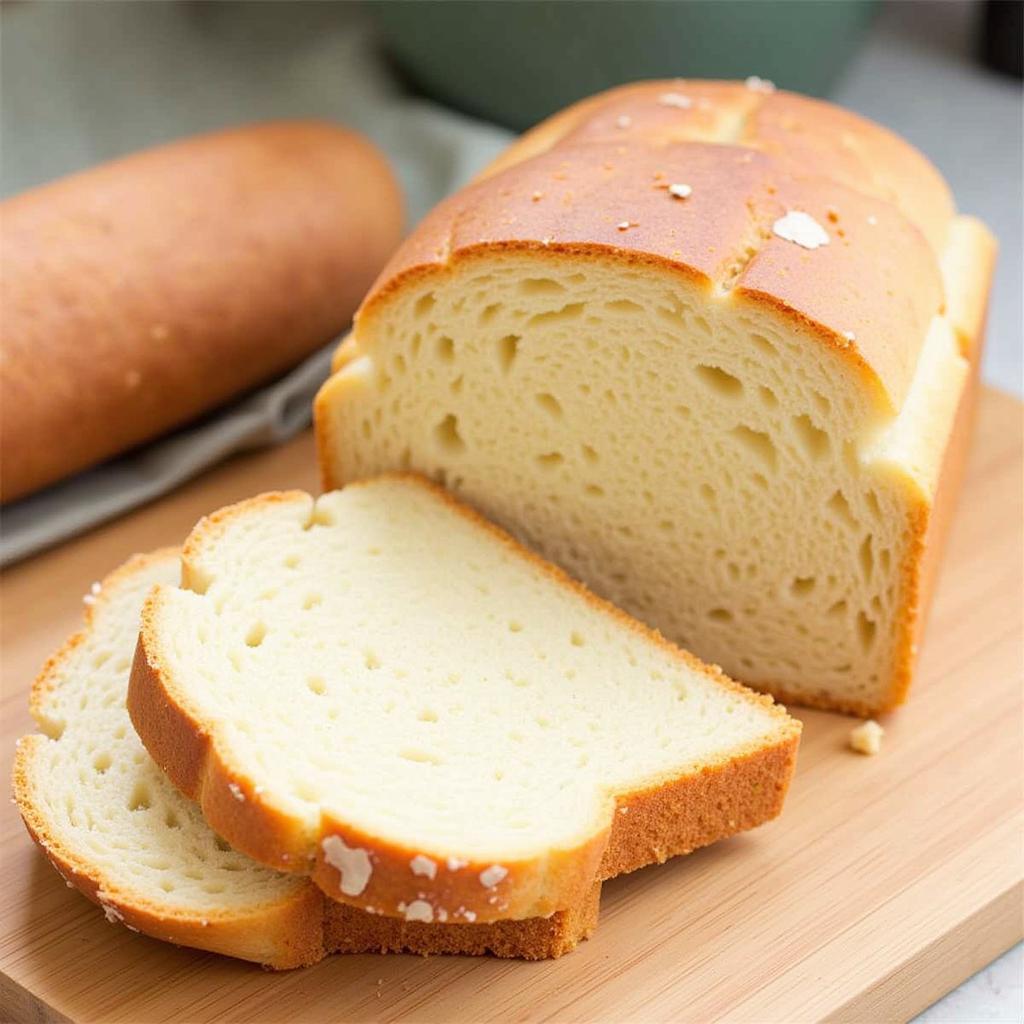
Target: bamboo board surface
{"type": "Point", "coordinates": [886, 882]}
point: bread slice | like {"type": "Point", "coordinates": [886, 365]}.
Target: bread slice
{"type": "Point", "coordinates": [703, 346]}
{"type": "Point", "coordinates": [383, 690]}
{"type": "Point", "coordinates": [115, 828]}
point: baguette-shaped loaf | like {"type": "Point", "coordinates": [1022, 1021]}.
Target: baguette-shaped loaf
{"type": "Point", "coordinates": [709, 347]}
{"type": "Point", "coordinates": [144, 292]}
{"type": "Point", "coordinates": [115, 828]}
{"type": "Point", "coordinates": [381, 689]}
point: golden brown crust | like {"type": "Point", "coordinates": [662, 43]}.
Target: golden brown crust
{"type": "Point", "coordinates": [973, 252]}
{"type": "Point", "coordinates": [746, 156]}
{"type": "Point", "coordinates": [803, 132]}
{"type": "Point", "coordinates": [294, 931]}
{"type": "Point", "coordinates": [348, 930]}
{"type": "Point", "coordinates": [739, 791]}
{"type": "Point", "coordinates": [157, 286]}
{"type": "Point", "coordinates": [564, 190]}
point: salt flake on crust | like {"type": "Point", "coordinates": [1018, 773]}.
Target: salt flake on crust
{"type": "Point", "coordinates": [801, 228]}
{"type": "Point", "coordinates": [352, 863]}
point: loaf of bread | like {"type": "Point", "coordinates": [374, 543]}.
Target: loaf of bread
{"type": "Point", "coordinates": [712, 349]}
{"type": "Point", "coordinates": [115, 828]}
{"type": "Point", "coordinates": [146, 291]}
{"type": "Point", "coordinates": [381, 689]}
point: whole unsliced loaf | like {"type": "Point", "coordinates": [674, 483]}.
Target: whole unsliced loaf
{"type": "Point", "coordinates": [709, 347]}
{"type": "Point", "coordinates": [114, 826]}
{"type": "Point", "coordinates": [146, 291]}
{"type": "Point", "coordinates": [381, 689]}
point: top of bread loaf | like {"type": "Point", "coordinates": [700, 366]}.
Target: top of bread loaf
{"type": "Point", "coordinates": [875, 214]}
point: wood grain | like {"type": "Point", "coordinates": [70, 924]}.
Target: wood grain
{"type": "Point", "coordinates": [887, 881]}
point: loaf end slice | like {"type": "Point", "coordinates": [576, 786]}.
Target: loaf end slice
{"type": "Point", "coordinates": [116, 829]}
{"type": "Point", "coordinates": [710, 348]}
{"type": "Point", "coordinates": [383, 690]}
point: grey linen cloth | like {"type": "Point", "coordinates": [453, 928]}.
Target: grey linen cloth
{"type": "Point", "coordinates": [87, 82]}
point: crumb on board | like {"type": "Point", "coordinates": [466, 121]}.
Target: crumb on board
{"type": "Point", "coordinates": [866, 738]}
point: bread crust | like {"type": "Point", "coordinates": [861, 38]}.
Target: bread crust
{"type": "Point", "coordinates": [160, 285]}
{"type": "Point", "coordinates": [672, 814]}
{"type": "Point", "coordinates": [564, 190]}
{"type": "Point", "coordinates": [296, 930]}
{"type": "Point", "coordinates": [745, 155]}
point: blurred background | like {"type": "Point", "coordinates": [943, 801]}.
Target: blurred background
{"type": "Point", "coordinates": [441, 87]}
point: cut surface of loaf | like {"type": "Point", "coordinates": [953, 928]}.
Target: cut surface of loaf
{"type": "Point", "coordinates": [380, 688]}
{"type": "Point", "coordinates": [703, 346]}
{"type": "Point", "coordinates": [114, 826]}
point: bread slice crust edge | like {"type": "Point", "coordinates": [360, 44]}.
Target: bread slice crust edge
{"type": "Point", "coordinates": [293, 932]}
{"type": "Point", "coordinates": [670, 816]}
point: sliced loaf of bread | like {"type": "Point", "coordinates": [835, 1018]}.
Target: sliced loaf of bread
{"type": "Point", "coordinates": [115, 828]}
{"type": "Point", "coordinates": [711, 348]}
{"type": "Point", "coordinates": [381, 689]}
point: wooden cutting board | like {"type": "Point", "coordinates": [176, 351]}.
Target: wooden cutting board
{"type": "Point", "coordinates": [886, 882]}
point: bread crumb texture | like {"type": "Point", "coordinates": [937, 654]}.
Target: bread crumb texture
{"type": "Point", "coordinates": [866, 738]}
{"type": "Point", "coordinates": [438, 717]}
{"type": "Point", "coordinates": [712, 386]}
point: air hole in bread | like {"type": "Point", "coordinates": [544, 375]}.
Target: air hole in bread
{"type": "Point", "coordinates": [508, 349]}
{"type": "Point", "coordinates": [758, 443]}
{"type": "Point", "coordinates": [100, 659]}
{"type": "Point", "coordinates": [445, 349]}
{"type": "Point", "coordinates": [570, 311]}
{"type": "Point", "coordinates": [720, 615]}
{"type": "Point", "coordinates": [718, 381]}
{"type": "Point", "coordinates": [419, 756]}
{"type": "Point", "coordinates": [840, 508]}
{"type": "Point", "coordinates": [256, 635]}
{"type": "Point", "coordinates": [101, 762]}
{"type": "Point", "coordinates": [447, 435]}
{"type": "Point", "coordinates": [866, 629]}
{"type": "Point", "coordinates": [802, 585]}
{"type": "Point", "coordinates": [311, 601]}
{"type": "Point", "coordinates": [577, 639]}
{"type": "Point", "coordinates": [763, 345]}
{"type": "Point", "coordinates": [316, 685]}
{"type": "Point", "coordinates": [550, 405]}
{"type": "Point", "coordinates": [427, 715]}
{"type": "Point", "coordinates": [139, 799]}
{"type": "Point", "coordinates": [813, 441]}
{"type": "Point", "coordinates": [624, 306]}
{"type": "Point", "coordinates": [534, 286]}
{"type": "Point", "coordinates": [867, 558]}
{"type": "Point", "coordinates": [424, 304]}
{"type": "Point", "coordinates": [371, 660]}
{"type": "Point", "coordinates": [550, 460]}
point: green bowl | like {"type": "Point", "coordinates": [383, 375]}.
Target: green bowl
{"type": "Point", "coordinates": [517, 61]}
